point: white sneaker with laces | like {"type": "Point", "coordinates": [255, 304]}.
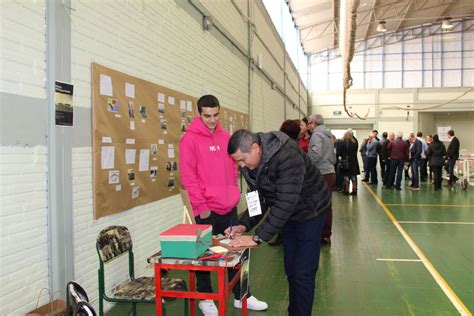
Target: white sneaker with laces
{"type": "Point", "coordinates": [208, 308]}
{"type": "Point", "coordinates": [252, 303]}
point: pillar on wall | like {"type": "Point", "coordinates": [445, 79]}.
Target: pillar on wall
{"type": "Point", "coordinates": [60, 227]}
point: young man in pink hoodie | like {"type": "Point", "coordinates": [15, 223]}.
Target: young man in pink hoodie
{"type": "Point", "coordinates": [209, 175]}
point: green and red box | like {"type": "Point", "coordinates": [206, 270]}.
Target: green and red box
{"type": "Point", "coordinates": [185, 241]}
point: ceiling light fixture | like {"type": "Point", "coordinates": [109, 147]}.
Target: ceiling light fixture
{"type": "Point", "coordinates": [446, 24]}
{"type": "Point", "coordinates": [381, 27]}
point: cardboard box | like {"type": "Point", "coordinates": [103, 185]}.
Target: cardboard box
{"type": "Point", "coordinates": [187, 241]}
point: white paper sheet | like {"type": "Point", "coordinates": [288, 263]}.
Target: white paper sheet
{"type": "Point", "coordinates": [132, 125]}
{"type": "Point", "coordinates": [114, 176]}
{"type": "Point", "coordinates": [182, 105]}
{"type": "Point", "coordinates": [135, 192]}
{"type": "Point", "coordinates": [106, 85]}
{"type": "Point", "coordinates": [130, 90]}
{"type": "Point", "coordinates": [130, 141]}
{"type": "Point", "coordinates": [130, 156]}
{"type": "Point", "coordinates": [189, 105]}
{"type": "Point", "coordinates": [170, 100]}
{"type": "Point", "coordinates": [161, 97]}
{"type": "Point", "coordinates": [107, 157]}
{"type": "Point", "coordinates": [170, 152]}
{"type": "Point", "coordinates": [106, 140]}
{"type": "Point", "coordinates": [161, 141]}
{"type": "Point", "coordinates": [144, 160]}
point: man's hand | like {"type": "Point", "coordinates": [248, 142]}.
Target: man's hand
{"type": "Point", "coordinates": [243, 241]}
{"type": "Point", "coordinates": [236, 231]}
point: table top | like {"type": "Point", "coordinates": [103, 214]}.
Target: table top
{"type": "Point", "coordinates": [229, 259]}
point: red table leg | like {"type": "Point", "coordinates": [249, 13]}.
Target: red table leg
{"type": "Point", "coordinates": [244, 305]}
{"type": "Point", "coordinates": [158, 300]}
{"type": "Point", "coordinates": [192, 288]}
{"type": "Point", "coordinates": [222, 291]}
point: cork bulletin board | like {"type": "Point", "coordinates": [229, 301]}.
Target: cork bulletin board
{"type": "Point", "coordinates": [137, 126]}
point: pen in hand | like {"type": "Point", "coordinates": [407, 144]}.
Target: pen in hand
{"type": "Point", "coordinates": [230, 231]}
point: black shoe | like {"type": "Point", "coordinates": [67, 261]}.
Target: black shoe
{"type": "Point", "coordinates": [374, 183]}
{"type": "Point", "coordinates": [278, 241]}
{"type": "Point", "coordinates": [354, 192]}
{"type": "Point", "coordinates": [365, 180]}
{"type": "Point", "coordinates": [398, 188]}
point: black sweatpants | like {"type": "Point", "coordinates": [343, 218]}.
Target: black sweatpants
{"type": "Point", "coordinates": [219, 224]}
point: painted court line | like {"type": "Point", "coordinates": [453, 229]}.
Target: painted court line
{"type": "Point", "coordinates": [462, 309]}
{"type": "Point", "coordinates": [455, 223]}
{"type": "Point", "coordinates": [432, 205]}
{"type": "Point", "coordinates": [399, 260]}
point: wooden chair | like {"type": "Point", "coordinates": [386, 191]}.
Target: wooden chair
{"type": "Point", "coordinates": [113, 242]}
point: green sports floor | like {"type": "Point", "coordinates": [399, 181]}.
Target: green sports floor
{"type": "Point", "coordinates": [392, 253]}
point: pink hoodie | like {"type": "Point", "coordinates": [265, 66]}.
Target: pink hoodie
{"type": "Point", "coordinates": [208, 173]}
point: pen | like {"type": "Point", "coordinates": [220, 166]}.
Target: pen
{"type": "Point", "coordinates": [230, 231]}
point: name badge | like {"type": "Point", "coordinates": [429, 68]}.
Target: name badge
{"type": "Point", "coordinates": [253, 203]}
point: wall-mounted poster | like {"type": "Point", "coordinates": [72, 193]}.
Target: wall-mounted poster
{"type": "Point", "coordinates": [63, 102]}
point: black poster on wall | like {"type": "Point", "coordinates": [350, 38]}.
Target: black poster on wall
{"type": "Point", "coordinates": [63, 101]}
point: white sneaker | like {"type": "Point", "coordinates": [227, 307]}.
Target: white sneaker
{"type": "Point", "coordinates": [208, 308]}
{"type": "Point", "coordinates": [252, 303]}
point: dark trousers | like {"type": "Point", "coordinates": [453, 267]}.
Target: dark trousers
{"type": "Point", "coordinates": [371, 169]}
{"type": "Point", "coordinates": [327, 230]}
{"type": "Point", "coordinates": [387, 172]}
{"type": "Point", "coordinates": [423, 169]}
{"type": "Point", "coordinates": [415, 181]}
{"type": "Point", "coordinates": [450, 169]}
{"type": "Point", "coordinates": [339, 177]}
{"type": "Point", "coordinates": [302, 245]}
{"type": "Point", "coordinates": [383, 168]}
{"type": "Point", "coordinates": [437, 176]}
{"type": "Point", "coordinates": [219, 224]}
{"type": "Point", "coordinates": [396, 166]}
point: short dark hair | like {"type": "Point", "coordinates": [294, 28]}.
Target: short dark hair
{"type": "Point", "coordinates": [241, 140]}
{"type": "Point", "coordinates": [419, 134]}
{"type": "Point", "coordinates": [451, 132]}
{"type": "Point", "coordinates": [436, 138]}
{"type": "Point", "coordinates": [291, 128]}
{"type": "Point", "coordinates": [305, 120]}
{"type": "Point", "coordinates": [384, 134]}
{"type": "Point", "coordinates": [375, 131]}
{"type": "Point", "coordinates": [207, 101]}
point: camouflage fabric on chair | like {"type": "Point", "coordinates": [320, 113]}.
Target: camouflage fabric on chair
{"type": "Point", "coordinates": [143, 288]}
{"type": "Point", "coordinates": [112, 242]}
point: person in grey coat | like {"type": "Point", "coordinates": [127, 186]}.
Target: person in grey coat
{"type": "Point", "coordinates": [321, 151]}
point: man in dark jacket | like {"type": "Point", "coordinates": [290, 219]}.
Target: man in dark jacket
{"type": "Point", "coordinates": [295, 195]}
{"type": "Point", "coordinates": [398, 156]}
{"type": "Point", "coordinates": [452, 154]}
{"type": "Point", "coordinates": [416, 148]}
{"type": "Point", "coordinates": [383, 154]}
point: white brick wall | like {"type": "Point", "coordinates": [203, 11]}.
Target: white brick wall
{"type": "Point", "coordinates": [23, 170]}
{"type": "Point", "coordinates": [23, 47]}
{"type": "Point", "coordinates": [23, 233]}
